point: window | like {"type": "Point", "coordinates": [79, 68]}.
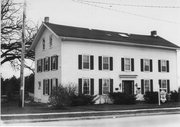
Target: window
{"type": "Point", "coordinates": [106, 86]}
{"type": "Point", "coordinates": [39, 85]}
{"type": "Point", "coordinates": [50, 41]}
{"type": "Point", "coordinates": [54, 62]}
{"type": "Point", "coordinates": [86, 62]}
{"type": "Point", "coordinates": [46, 87]}
{"type": "Point", "coordinates": [106, 63]}
{"type": "Point", "coordinates": [86, 87]}
{"type": "Point", "coordinates": [163, 65]}
{"type": "Point", "coordinates": [127, 64]}
{"type": "Point", "coordinates": [146, 64]}
{"type": "Point", "coordinates": [164, 85]}
{"type": "Point", "coordinates": [146, 86]}
{"type": "Point", "coordinates": [43, 44]}
{"type": "Point", "coordinates": [46, 63]}
{"type": "Point", "coordinates": [39, 65]}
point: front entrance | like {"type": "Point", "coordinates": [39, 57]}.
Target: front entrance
{"type": "Point", "coordinates": [128, 87]}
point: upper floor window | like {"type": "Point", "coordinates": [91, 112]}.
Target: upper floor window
{"type": "Point", "coordinates": [163, 65]}
{"type": "Point", "coordinates": [43, 44]}
{"type": "Point", "coordinates": [127, 64]}
{"type": "Point", "coordinates": [39, 65]}
{"type": "Point", "coordinates": [146, 65]}
{"type": "Point", "coordinates": [47, 64]}
{"type": "Point", "coordinates": [164, 85]}
{"type": "Point", "coordinates": [50, 41]}
{"type": "Point", "coordinates": [86, 62]}
{"type": "Point", "coordinates": [105, 63]}
{"type": "Point", "coordinates": [54, 62]}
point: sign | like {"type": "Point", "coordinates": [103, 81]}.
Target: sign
{"type": "Point", "coordinates": [163, 96]}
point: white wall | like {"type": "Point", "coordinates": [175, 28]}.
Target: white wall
{"type": "Point", "coordinates": [48, 52]}
{"type": "Point", "coordinates": [71, 73]}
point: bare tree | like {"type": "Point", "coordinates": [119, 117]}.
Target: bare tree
{"type": "Point", "coordinates": [11, 34]}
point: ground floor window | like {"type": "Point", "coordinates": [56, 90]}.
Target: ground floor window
{"type": "Point", "coordinates": [146, 86]}
{"type": "Point", "coordinates": [106, 86]}
{"type": "Point", "coordinates": [164, 85]}
{"type": "Point", "coordinates": [46, 87]}
{"type": "Point", "coordinates": [86, 87]}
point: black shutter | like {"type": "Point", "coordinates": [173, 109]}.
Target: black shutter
{"type": "Point", "coordinates": [159, 65]}
{"type": "Point", "coordinates": [168, 86]}
{"type": "Point", "coordinates": [100, 62]}
{"type": "Point", "coordinates": [92, 86]}
{"type": "Point", "coordinates": [56, 83]}
{"type": "Point", "coordinates": [142, 64]}
{"type": "Point", "coordinates": [151, 65]}
{"type": "Point", "coordinates": [80, 86]}
{"type": "Point", "coordinates": [132, 64]}
{"type": "Point", "coordinates": [51, 86]}
{"type": "Point", "coordinates": [142, 86]}
{"type": "Point", "coordinates": [44, 64]}
{"type": "Point", "coordinates": [37, 67]}
{"type": "Point", "coordinates": [79, 61]}
{"type": "Point", "coordinates": [51, 62]}
{"type": "Point", "coordinates": [48, 63]}
{"type": "Point", "coordinates": [159, 83]}
{"type": "Point", "coordinates": [111, 63]}
{"type": "Point", "coordinates": [48, 86]}
{"type": "Point", "coordinates": [151, 83]}
{"type": "Point", "coordinates": [167, 65]}
{"type": "Point", "coordinates": [91, 62]}
{"type": "Point", "coordinates": [56, 62]}
{"type": "Point", "coordinates": [122, 64]}
{"type": "Point", "coordinates": [43, 87]}
{"type": "Point", "coordinates": [111, 85]}
{"type": "Point", "coordinates": [100, 86]}
{"type": "Point", "coordinates": [41, 65]}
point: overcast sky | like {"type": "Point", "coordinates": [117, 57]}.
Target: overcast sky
{"type": "Point", "coordinates": [131, 16]}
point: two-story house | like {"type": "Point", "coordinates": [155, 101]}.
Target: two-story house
{"type": "Point", "coordinates": [99, 62]}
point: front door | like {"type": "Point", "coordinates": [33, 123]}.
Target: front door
{"type": "Point", "coordinates": [128, 87]}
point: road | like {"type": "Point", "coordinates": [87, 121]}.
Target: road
{"type": "Point", "coordinates": [171, 120]}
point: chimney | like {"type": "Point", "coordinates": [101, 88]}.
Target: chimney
{"type": "Point", "coordinates": [46, 19]}
{"type": "Point", "coordinates": [154, 33]}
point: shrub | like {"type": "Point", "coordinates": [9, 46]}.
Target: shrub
{"type": "Point", "coordinates": [122, 98]}
{"type": "Point", "coordinates": [151, 97]}
{"type": "Point", "coordinates": [175, 96]}
{"type": "Point", "coordinates": [78, 100]}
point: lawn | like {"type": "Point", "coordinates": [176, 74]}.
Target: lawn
{"type": "Point", "coordinates": [12, 108]}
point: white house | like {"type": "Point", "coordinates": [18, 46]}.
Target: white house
{"type": "Point", "coordinates": [99, 62]}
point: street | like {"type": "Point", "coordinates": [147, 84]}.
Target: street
{"type": "Point", "coordinates": [171, 120]}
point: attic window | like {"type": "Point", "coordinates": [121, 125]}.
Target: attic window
{"type": "Point", "coordinates": [43, 43]}
{"type": "Point", "coordinates": [123, 35]}
{"type": "Point", "coordinates": [50, 41]}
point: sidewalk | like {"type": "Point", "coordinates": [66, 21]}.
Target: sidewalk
{"type": "Point", "coordinates": [61, 116]}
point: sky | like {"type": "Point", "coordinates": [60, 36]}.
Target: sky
{"type": "Point", "coordinates": [130, 16]}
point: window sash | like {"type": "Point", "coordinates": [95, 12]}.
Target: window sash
{"type": "Point", "coordinates": [146, 86]}
{"type": "Point", "coordinates": [146, 65]}
{"type": "Point", "coordinates": [54, 62]}
{"type": "Point", "coordinates": [50, 41]}
{"type": "Point", "coordinates": [163, 65]}
{"type": "Point", "coordinates": [86, 86]}
{"type": "Point", "coordinates": [86, 62]}
{"type": "Point", "coordinates": [127, 64]}
{"type": "Point", "coordinates": [106, 86]}
{"type": "Point", "coordinates": [106, 63]}
{"type": "Point", "coordinates": [43, 43]}
{"type": "Point", "coordinates": [46, 64]}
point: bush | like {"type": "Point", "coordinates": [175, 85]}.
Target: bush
{"type": "Point", "coordinates": [66, 96]}
{"type": "Point", "coordinates": [78, 100]}
{"type": "Point", "coordinates": [122, 98]}
{"type": "Point", "coordinates": [151, 97]}
{"type": "Point", "coordinates": [175, 96]}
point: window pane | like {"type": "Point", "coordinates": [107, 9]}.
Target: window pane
{"type": "Point", "coordinates": [106, 83]}
{"type": "Point", "coordinates": [85, 61]}
{"type": "Point", "coordinates": [105, 63]}
{"type": "Point", "coordinates": [164, 84]}
{"type": "Point", "coordinates": [147, 85]}
{"type": "Point", "coordinates": [86, 86]}
{"type": "Point", "coordinates": [127, 64]}
{"type": "Point", "coordinates": [164, 66]}
{"type": "Point", "coordinates": [147, 65]}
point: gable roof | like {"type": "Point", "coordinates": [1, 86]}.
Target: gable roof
{"type": "Point", "coordinates": [84, 33]}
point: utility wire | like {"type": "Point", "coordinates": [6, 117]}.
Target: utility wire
{"type": "Point", "coordinates": [132, 5]}
{"type": "Point", "coordinates": [121, 11]}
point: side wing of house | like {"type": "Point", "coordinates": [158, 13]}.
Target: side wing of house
{"type": "Point", "coordinates": [48, 65]}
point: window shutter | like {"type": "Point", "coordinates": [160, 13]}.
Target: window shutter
{"type": "Point", "coordinates": [111, 85]}
{"type": "Point", "coordinates": [44, 64]}
{"type": "Point", "coordinates": [122, 64]}
{"type": "Point", "coordinates": [123, 87]}
{"type": "Point", "coordinates": [43, 87]}
{"type": "Point", "coordinates": [48, 63]}
{"type": "Point", "coordinates": [159, 83]}
{"type": "Point", "coordinates": [56, 83]}
{"type": "Point", "coordinates": [79, 61]}
{"type": "Point", "coordinates": [111, 63]}
{"type": "Point", "coordinates": [92, 62]}
{"type": "Point", "coordinates": [133, 88]}
{"type": "Point", "coordinates": [132, 64]}
{"type": "Point", "coordinates": [168, 86]}
{"type": "Point", "coordinates": [142, 86]}
{"type": "Point", "coordinates": [100, 62]}
{"type": "Point", "coordinates": [159, 65]}
{"type": "Point", "coordinates": [56, 62]}
{"type": "Point", "coordinates": [51, 86]}
{"type": "Point", "coordinates": [92, 86]}
{"type": "Point", "coordinates": [167, 65]}
{"type": "Point", "coordinates": [151, 83]}
{"type": "Point", "coordinates": [37, 66]}
{"type": "Point", "coordinates": [100, 86]}
{"type": "Point", "coordinates": [80, 86]}
{"type": "Point", "coordinates": [142, 64]}
{"type": "Point", "coordinates": [151, 65]}
{"type": "Point", "coordinates": [51, 62]}
{"type": "Point", "coordinates": [48, 86]}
